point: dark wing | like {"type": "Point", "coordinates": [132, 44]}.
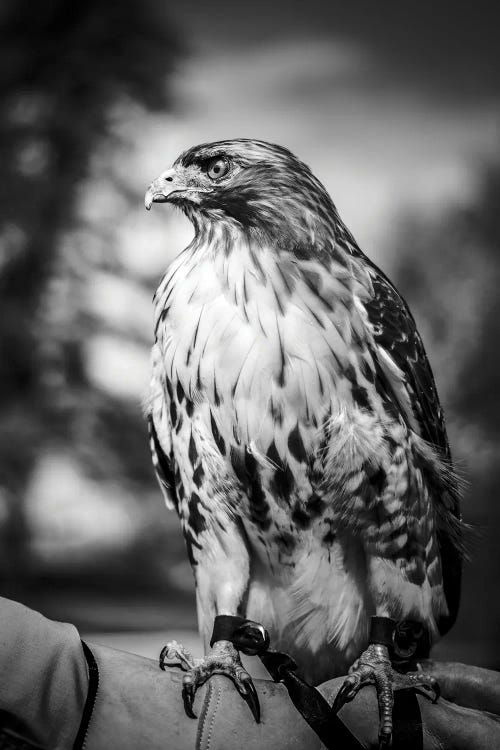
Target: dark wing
{"type": "Point", "coordinates": [396, 334]}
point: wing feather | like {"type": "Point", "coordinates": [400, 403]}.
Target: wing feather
{"type": "Point", "coordinates": [415, 392]}
{"type": "Point", "coordinates": [163, 466]}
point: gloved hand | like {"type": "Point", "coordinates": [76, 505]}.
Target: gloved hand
{"type": "Point", "coordinates": [44, 693]}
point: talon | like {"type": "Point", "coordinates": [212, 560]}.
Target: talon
{"type": "Point", "coordinates": [353, 667]}
{"type": "Point", "coordinates": [174, 654]}
{"type": "Point", "coordinates": [163, 657]}
{"type": "Point", "coordinates": [436, 689]}
{"type": "Point", "coordinates": [251, 697]}
{"type": "Point", "coordinates": [188, 693]}
{"type": "Point", "coordinates": [343, 696]}
{"type": "Point", "coordinates": [423, 680]}
{"type": "Point", "coordinates": [384, 740]}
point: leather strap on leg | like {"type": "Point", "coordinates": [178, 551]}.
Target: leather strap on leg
{"type": "Point", "coordinates": [382, 631]}
{"type": "Point", "coordinates": [247, 636]}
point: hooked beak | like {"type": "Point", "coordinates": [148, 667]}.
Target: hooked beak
{"type": "Point", "coordinates": [167, 184]}
{"type": "Point", "coordinates": [161, 188]}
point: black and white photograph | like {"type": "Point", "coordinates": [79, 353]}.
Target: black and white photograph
{"type": "Point", "coordinates": [249, 375]}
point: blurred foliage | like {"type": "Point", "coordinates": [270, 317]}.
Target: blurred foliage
{"type": "Point", "coordinates": [449, 271]}
{"type": "Point", "coordinates": [65, 66]}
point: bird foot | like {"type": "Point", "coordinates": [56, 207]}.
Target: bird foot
{"type": "Point", "coordinates": [223, 659]}
{"type": "Point", "coordinates": [374, 668]}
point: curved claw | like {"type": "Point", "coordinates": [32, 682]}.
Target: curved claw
{"type": "Point", "coordinates": [163, 658]}
{"type": "Point", "coordinates": [188, 693]}
{"type": "Point", "coordinates": [174, 654]}
{"type": "Point", "coordinates": [344, 695]}
{"type": "Point", "coordinates": [251, 698]}
{"type": "Point", "coordinates": [437, 690]}
{"type": "Point", "coordinates": [421, 680]}
{"type": "Point", "coordinates": [384, 740]}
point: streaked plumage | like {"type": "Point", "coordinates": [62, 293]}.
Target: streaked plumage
{"type": "Point", "coordinates": [295, 424]}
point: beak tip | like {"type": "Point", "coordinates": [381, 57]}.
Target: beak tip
{"type": "Point", "coordinates": [148, 200]}
{"type": "Point", "coordinates": [159, 191]}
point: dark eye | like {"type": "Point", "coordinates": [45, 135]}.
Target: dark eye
{"type": "Point", "coordinates": [217, 168]}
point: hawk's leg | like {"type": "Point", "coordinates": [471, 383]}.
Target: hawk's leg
{"type": "Point", "coordinates": [223, 659]}
{"type": "Point", "coordinates": [374, 667]}
{"type": "Point", "coordinates": [221, 568]}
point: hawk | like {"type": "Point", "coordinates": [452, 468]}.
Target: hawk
{"type": "Point", "coordinates": [296, 428]}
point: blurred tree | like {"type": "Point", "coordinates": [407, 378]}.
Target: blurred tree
{"type": "Point", "coordinates": [449, 271]}
{"type": "Point", "coordinates": [65, 65]}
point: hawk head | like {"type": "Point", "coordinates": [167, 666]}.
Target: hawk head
{"type": "Point", "coordinates": [256, 185]}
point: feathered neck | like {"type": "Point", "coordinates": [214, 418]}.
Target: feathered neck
{"type": "Point", "coordinates": [297, 228]}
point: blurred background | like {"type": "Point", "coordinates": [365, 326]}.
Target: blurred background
{"type": "Point", "coordinates": [395, 106]}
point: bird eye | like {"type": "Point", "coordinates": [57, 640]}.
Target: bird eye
{"type": "Point", "coordinates": [217, 168]}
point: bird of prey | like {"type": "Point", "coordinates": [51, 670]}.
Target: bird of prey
{"type": "Point", "coordinates": [296, 428]}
